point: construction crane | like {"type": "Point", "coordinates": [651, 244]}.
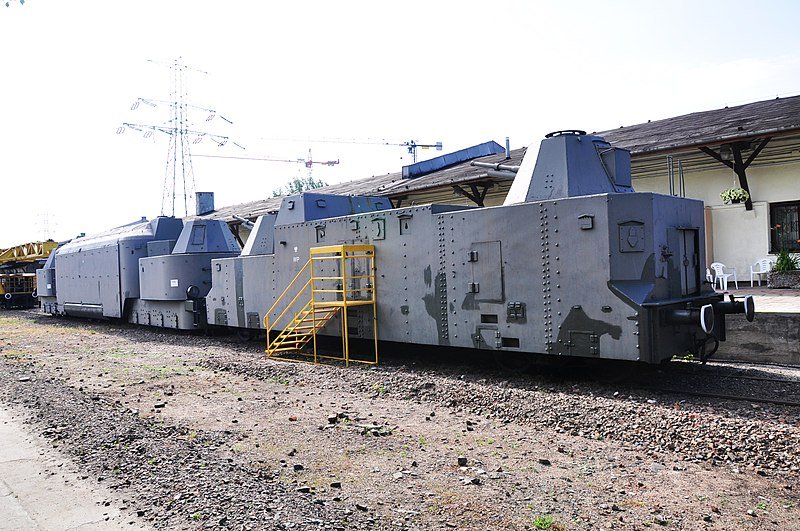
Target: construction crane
{"type": "Point", "coordinates": [18, 267]}
{"type": "Point", "coordinates": [410, 145]}
{"type": "Point", "coordinates": [308, 163]}
{"type": "Point", "coordinates": [26, 253]}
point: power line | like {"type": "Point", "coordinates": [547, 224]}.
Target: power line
{"type": "Point", "coordinates": [179, 182]}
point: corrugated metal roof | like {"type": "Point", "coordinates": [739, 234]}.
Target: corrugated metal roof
{"type": "Point", "coordinates": [761, 118]}
{"type": "Point", "coordinates": [459, 174]}
{"type": "Point", "coordinates": [425, 167]}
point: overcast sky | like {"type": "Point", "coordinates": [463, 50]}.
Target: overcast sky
{"type": "Point", "coordinates": [457, 72]}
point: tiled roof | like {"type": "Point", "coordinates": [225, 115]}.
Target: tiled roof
{"type": "Point", "coordinates": [758, 119]}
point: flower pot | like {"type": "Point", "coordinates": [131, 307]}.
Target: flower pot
{"type": "Point", "coordinates": [784, 279]}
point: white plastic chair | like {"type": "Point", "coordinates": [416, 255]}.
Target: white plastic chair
{"type": "Point", "coordinates": [721, 277]}
{"type": "Point", "coordinates": [709, 276]}
{"type": "Point", "coordinates": [761, 267]}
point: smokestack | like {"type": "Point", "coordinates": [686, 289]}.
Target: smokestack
{"type": "Point", "coordinates": [204, 203]}
{"type": "Point", "coordinates": [508, 148]}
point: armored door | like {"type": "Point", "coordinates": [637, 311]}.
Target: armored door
{"type": "Point", "coordinates": [689, 261]}
{"type": "Point", "coordinates": [487, 271]}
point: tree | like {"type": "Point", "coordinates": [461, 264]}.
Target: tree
{"type": "Point", "coordinates": [298, 185]}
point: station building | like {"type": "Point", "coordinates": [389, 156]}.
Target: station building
{"type": "Point", "coordinates": [755, 147]}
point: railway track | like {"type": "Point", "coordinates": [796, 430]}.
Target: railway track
{"type": "Point", "coordinates": [715, 380]}
{"type": "Point", "coordinates": [716, 383]}
{"type": "Point", "coordinates": [725, 396]}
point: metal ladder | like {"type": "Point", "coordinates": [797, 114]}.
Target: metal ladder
{"type": "Point", "coordinates": [322, 297]}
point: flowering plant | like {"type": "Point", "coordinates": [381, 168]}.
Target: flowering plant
{"type": "Point", "coordinates": [734, 195]}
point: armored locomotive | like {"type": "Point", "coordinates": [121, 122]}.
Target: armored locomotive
{"type": "Point", "coordinates": [574, 263]}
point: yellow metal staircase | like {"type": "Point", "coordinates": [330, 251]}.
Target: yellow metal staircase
{"type": "Point", "coordinates": [338, 277]}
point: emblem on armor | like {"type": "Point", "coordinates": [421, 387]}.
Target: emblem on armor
{"type": "Point", "coordinates": [631, 237]}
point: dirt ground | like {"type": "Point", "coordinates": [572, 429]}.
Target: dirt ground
{"type": "Point", "coordinates": [197, 432]}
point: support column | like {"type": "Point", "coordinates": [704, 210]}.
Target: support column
{"type": "Point", "coordinates": [739, 166]}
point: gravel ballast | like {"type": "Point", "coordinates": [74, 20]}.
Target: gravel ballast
{"type": "Point", "coordinates": [198, 432]}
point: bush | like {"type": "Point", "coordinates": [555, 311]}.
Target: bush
{"type": "Point", "coordinates": [786, 262]}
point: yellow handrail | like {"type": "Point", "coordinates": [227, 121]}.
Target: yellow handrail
{"type": "Point", "coordinates": [287, 289]}
{"type": "Point", "coordinates": [277, 319]}
{"type": "Point", "coordinates": [315, 314]}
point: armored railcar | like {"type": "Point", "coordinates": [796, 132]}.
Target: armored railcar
{"type": "Point", "coordinates": [575, 263]}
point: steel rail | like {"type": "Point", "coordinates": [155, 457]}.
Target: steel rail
{"type": "Point", "coordinates": [724, 396]}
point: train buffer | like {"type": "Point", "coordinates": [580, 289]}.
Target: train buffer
{"type": "Point", "coordinates": [333, 289]}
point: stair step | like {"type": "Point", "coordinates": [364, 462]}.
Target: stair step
{"type": "Point", "coordinates": [317, 321]}
{"type": "Point", "coordinates": [293, 344]}
{"type": "Point", "coordinates": [294, 341]}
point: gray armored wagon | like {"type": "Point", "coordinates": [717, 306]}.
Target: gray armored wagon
{"type": "Point", "coordinates": [574, 264]}
{"type": "Point", "coordinates": [148, 272]}
{"type": "Point", "coordinates": [96, 276]}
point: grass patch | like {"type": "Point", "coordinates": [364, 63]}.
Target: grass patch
{"type": "Point", "coordinates": [280, 380]}
{"type": "Point", "coordinates": [543, 522]}
{"type": "Point", "coordinates": [119, 352]}
{"type": "Point", "coordinates": [165, 371]}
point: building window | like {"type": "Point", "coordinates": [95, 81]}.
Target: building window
{"type": "Point", "coordinates": [784, 226]}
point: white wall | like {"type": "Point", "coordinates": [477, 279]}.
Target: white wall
{"type": "Point", "coordinates": [767, 183]}
{"type": "Point", "coordinates": [738, 237]}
